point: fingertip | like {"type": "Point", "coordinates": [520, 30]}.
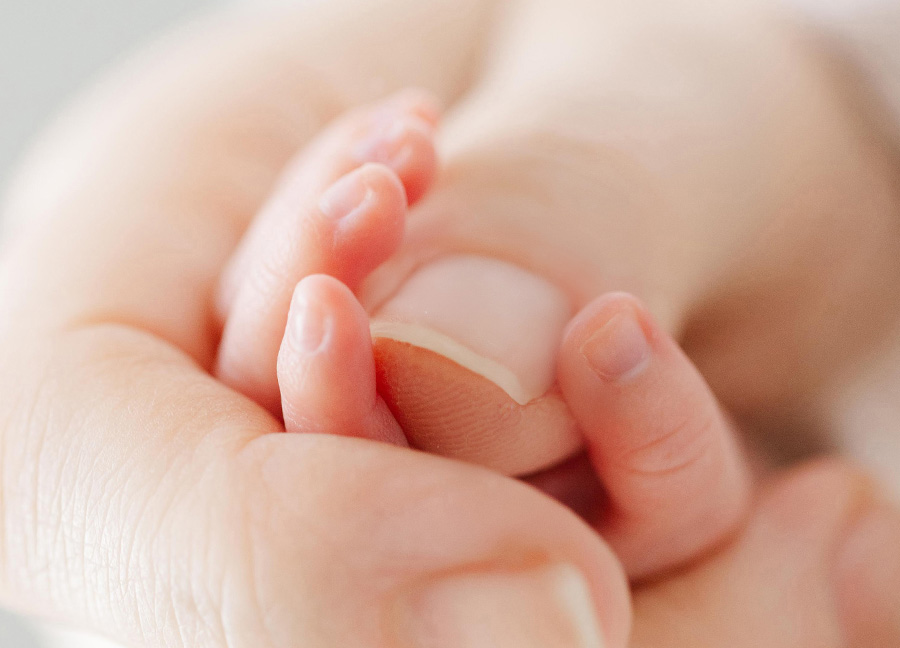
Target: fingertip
{"type": "Point", "coordinates": [598, 313]}
{"type": "Point", "coordinates": [338, 303]}
{"type": "Point", "coordinates": [449, 410]}
{"type": "Point", "coordinates": [464, 377]}
{"type": "Point", "coordinates": [606, 345]}
{"type": "Point", "coordinates": [400, 134]}
{"type": "Point", "coordinates": [420, 102]}
{"type": "Point", "coordinates": [326, 369]}
{"type": "Point", "coordinates": [340, 208]}
{"type": "Point", "coordinates": [371, 232]}
{"type": "Point", "coordinates": [311, 320]}
{"type": "Point", "coordinates": [386, 185]}
{"type": "Point", "coordinates": [416, 162]}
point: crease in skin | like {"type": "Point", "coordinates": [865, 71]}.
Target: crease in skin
{"type": "Point", "coordinates": [491, 317]}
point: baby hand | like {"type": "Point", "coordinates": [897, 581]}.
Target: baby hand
{"type": "Point", "coordinates": [675, 480]}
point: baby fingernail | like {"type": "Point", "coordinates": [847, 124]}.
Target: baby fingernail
{"type": "Point", "coordinates": [536, 608]}
{"type": "Point", "coordinates": [346, 197]}
{"type": "Point", "coordinates": [619, 350]}
{"type": "Point", "coordinates": [389, 145]}
{"type": "Point", "coordinates": [309, 325]}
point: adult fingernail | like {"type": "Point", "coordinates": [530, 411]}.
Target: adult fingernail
{"type": "Point", "coordinates": [493, 318]}
{"type": "Point", "coordinates": [536, 608]}
{"type": "Point", "coordinates": [346, 197]}
{"type": "Point", "coordinates": [618, 350]}
{"type": "Point", "coordinates": [309, 324]}
{"type": "Point", "coordinates": [868, 577]}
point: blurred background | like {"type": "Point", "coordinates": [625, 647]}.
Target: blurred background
{"type": "Point", "coordinates": [48, 50]}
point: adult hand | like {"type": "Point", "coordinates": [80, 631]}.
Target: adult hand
{"type": "Point", "coordinates": [144, 499]}
{"type": "Point", "coordinates": [707, 159]}
{"type": "Point", "coordinates": [813, 560]}
{"type": "Point", "coordinates": [816, 567]}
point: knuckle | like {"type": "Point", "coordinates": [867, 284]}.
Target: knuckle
{"type": "Point", "coordinates": [678, 448]}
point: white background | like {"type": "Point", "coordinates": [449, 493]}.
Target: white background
{"type": "Point", "coordinates": [50, 48]}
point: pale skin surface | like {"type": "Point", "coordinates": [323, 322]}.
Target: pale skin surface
{"type": "Point", "coordinates": [675, 478]}
{"type": "Point", "coordinates": [676, 484]}
{"type": "Point", "coordinates": [146, 500]}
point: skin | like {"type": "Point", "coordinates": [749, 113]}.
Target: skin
{"type": "Point", "coordinates": [676, 481]}
{"type": "Point", "coordinates": [143, 498]}
{"type": "Point", "coordinates": [769, 179]}
{"type": "Point", "coordinates": [671, 493]}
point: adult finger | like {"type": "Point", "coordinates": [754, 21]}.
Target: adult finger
{"type": "Point", "coordinates": [796, 578]}
{"type": "Point", "coordinates": [144, 499]}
